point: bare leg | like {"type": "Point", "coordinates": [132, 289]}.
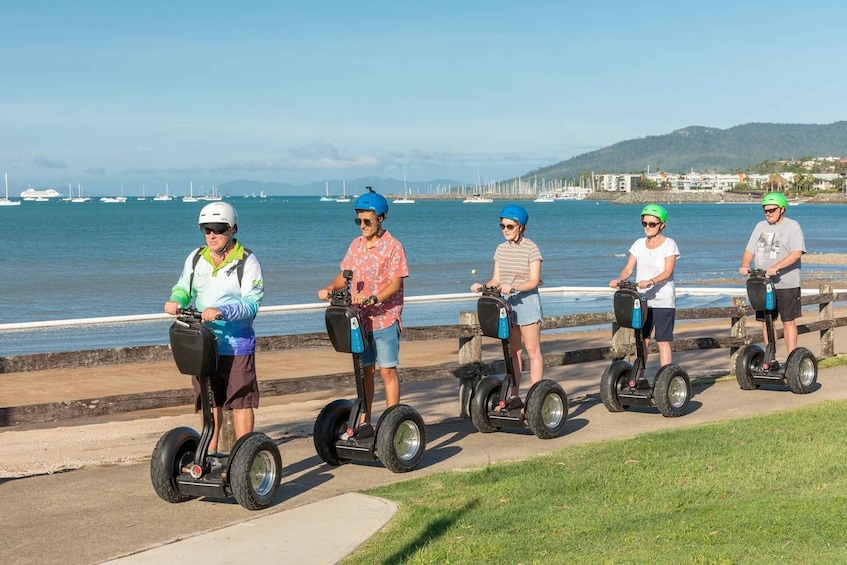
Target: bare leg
{"type": "Point", "coordinates": [242, 419]}
{"type": "Point", "coordinates": [665, 352]}
{"type": "Point", "coordinates": [369, 392]}
{"type": "Point", "coordinates": [218, 413]}
{"type": "Point", "coordinates": [517, 351]}
{"type": "Point", "coordinates": [531, 335]}
{"type": "Point", "coordinates": [391, 382]}
{"type": "Point", "coordinates": [790, 334]}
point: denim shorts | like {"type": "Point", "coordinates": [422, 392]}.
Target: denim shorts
{"type": "Point", "coordinates": [383, 347]}
{"type": "Point", "coordinates": [526, 307]}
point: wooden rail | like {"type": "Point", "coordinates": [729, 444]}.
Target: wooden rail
{"type": "Point", "coordinates": [468, 368]}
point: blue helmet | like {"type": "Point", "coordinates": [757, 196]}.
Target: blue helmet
{"type": "Point", "coordinates": [516, 213]}
{"type": "Point", "coordinates": [373, 202]}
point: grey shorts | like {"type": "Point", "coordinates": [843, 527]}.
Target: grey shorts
{"type": "Point", "coordinates": [526, 307]}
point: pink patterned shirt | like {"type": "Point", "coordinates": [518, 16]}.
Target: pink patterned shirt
{"type": "Point", "coordinates": [372, 270]}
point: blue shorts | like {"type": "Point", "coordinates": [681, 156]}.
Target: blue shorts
{"type": "Point", "coordinates": [383, 347]}
{"type": "Point", "coordinates": [663, 320]}
{"type": "Point", "coordinates": [526, 307]}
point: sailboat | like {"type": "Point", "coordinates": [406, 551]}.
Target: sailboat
{"type": "Point", "coordinates": [114, 199]}
{"type": "Point", "coordinates": [6, 201]}
{"type": "Point", "coordinates": [327, 198]}
{"type": "Point", "coordinates": [164, 197]}
{"type": "Point", "coordinates": [343, 198]}
{"type": "Point", "coordinates": [190, 197]}
{"type": "Point", "coordinates": [214, 196]}
{"type": "Point", "coordinates": [79, 197]}
{"type": "Point", "coordinates": [143, 194]}
{"type": "Point", "coordinates": [405, 199]}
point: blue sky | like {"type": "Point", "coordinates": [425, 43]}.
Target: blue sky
{"type": "Point", "coordinates": [118, 93]}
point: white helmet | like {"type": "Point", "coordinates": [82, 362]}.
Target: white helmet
{"type": "Point", "coordinates": [218, 213]}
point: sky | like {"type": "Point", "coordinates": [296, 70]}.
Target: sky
{"type": "Point", "coordinates": [131, 94]}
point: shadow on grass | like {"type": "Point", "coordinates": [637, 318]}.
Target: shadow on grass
{"type": "Point", "coordinates": [435, 530]}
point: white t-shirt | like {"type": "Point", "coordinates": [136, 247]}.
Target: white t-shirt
{"type": "Point", "coordinates": [650, 263]}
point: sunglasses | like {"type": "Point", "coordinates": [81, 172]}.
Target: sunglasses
{"type": "Point", "coordinates": [770, 210]}
{"type": "Point", "coordinates": [508, 226]}
{"type": "Point", "coordinates": [218, 229]}
{"type": "Point", "coordinates": [651, 224]}
{"type": "Point", "coordinates": [364, 221]}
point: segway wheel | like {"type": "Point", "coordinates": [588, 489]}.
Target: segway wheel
{"type": "Point", "coordinates": [486, 397]}
{"type": "Point", "coordinates": [546, 409]}
{"type": "Point", "coordinates": [801, 371]}
{"type": "Point", "coordinates": [255, 471]}
{"type": "Point", "coordinates": [331, 423]}
{"type": "Point", "coordinates": [174, 450]}
{"type": "Point", "coordinates": [672, 391]}
{"type": "Point", "coordinates": [400, 438]}
{"type": "Point", "coordinates": [614, 379]}
{"type": "Point", "coordinates": [748, 358]}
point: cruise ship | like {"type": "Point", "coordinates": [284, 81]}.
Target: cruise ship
{"type": "Point", "coordinates": [34, 194]}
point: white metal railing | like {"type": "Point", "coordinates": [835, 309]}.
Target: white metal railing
{"type": "Point", "coordinates": [566, 290]}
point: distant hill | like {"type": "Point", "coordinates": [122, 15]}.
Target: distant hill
{"type": "Point", "coordinates": [707, 149]}
{"type": "Point", "coordinates": [354, 186]}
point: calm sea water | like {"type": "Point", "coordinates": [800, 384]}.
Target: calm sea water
{"type": "Point", "coordinates": [65, 261]}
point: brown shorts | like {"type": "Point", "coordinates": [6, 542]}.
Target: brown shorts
{"type": "Point", "coordinates": [235, 385]}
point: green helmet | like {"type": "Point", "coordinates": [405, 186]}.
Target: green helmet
{"type": "Point", "coordinates": [775, 198]}
{"type": "Point", "coordinates": [655, 210]}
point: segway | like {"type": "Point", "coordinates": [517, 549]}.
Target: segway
{"type": "Point", "coordinates": [181, 467]}
{"type": "Point", "coordinates": [546, 409]}
{"type": "Point", "coordinates": [755, 366]}
{"type": "Point", "coordinates": [399, 438]}
{"type": "Point", "coordinates": [624, 384]}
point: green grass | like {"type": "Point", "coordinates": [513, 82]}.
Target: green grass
{"type": "Point", "coordinates": [837, 361]}
{"type": "Point", "coordinates": [759, 490]}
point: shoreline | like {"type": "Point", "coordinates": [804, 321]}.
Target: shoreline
{"type": "Point", "coordinates": [647, 196]}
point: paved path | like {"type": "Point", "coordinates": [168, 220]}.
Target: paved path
{"type": "Point", "coordinates": [107, 509]}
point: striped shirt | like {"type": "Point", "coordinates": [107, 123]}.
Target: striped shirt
{"type": "Point", "coordinates": [514, 260]}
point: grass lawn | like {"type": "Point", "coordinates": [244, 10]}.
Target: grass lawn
{"type": "Point", "coordinates": [770, 489]}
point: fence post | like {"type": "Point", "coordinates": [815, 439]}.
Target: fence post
{"type": "Point", "coordinates": [470, 348]}
{"type": "Point", "coordinates": [470, 352]}
{"type": "Point", "coordinates": [738, 328]}
{"type": "Point", "coordinates": [621, 338]}
{"type": "Point", "coordinates": [827, 313]}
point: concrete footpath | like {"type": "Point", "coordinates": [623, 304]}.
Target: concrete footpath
{"type": "Point", "coordinates": [80, 492]}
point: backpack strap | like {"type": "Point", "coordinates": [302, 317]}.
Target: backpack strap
{"type": "Point", "coordinates": [239, 270]}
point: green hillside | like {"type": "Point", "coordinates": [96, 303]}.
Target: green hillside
{"type": "Point", "coordinates": [707, 149]}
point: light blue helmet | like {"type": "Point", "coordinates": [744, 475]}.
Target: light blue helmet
{"type": "Point", "coordinates": [373, 202]}
{"type": "Point", "coordinates": [516, 213]}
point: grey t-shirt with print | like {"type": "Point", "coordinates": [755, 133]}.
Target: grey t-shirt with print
{"type": "Point", "coordinates": [770, 244]}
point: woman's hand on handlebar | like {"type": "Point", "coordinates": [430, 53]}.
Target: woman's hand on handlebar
{"type": "Point", "coordinates": [477, 287]}
{"type": "Point", "coordinates": [614, 283]}
{"type": "Point", "coordinates": [172, 307]}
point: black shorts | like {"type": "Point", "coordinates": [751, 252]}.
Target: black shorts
{"type": "Point", "coordinates": [234, 385]}
{"type": "Point", "coordinates": [663, 320]}
{"type": "Point", "coordinates": [788, 305]}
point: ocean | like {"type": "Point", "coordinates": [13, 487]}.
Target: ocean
{"type": "Point", "coordinates": [66, 260]}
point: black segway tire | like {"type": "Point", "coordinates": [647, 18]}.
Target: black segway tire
{"type": "Point", "coordinates": [614, 379]}
{"type": "Point", "coordinates": [748, 357]}
{"type": "Point", "coordinates": [174, 450]}
{"type": "Point", "coordinates": [331, 423]}
{"type": "Point", "coordinates": [400, 438]}
{"type": "Point", "coordinates": [801, 371]}
{"type": "Point", "coordinates": [546, 409]}
{"type": "Point", "coordinates": [486, 397]}
{"type": "Point", "coordinates": [255, 470]}
{"type": "Point", "coordinates": [672, 391]}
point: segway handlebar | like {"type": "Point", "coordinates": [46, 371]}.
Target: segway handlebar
{"type": "Point", "coordinates": [190, 314]}
{"type": "Point", "coordinates": [762, 273]}
{"type": "Point", "coordinates": [344, 296]}
{"type": "Point", "coordinates": [628, 284]}
{"type": "Point", "coordinates": [494, 291]}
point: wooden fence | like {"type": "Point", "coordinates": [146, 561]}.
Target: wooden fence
{"type": "Point", "coordinates": [468, 368]}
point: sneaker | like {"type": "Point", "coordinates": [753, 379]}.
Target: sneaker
{"type": "Point", "coordinates": [362, 432]}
